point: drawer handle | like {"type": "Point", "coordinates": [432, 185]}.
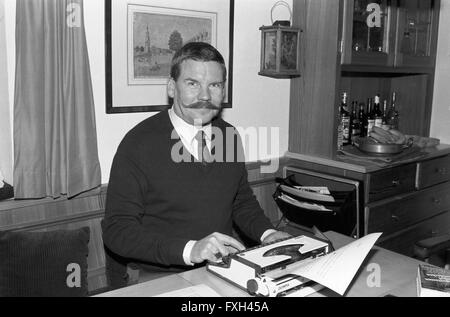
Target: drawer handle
{"type": "Point", "coordinates": [395, 218]}
{"type": "Point", "coordinates": [442, 171]}
{"type": "Point", "coordinates": [437, 201]}
{"type": "Point", "coordinates": [395, 183]}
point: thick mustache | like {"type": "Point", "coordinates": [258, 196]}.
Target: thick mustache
{"type": "Point", "coordinates": [203, 105]}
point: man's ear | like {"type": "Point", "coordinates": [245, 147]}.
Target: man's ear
{"type": "Point", "coordinates": [224, 91]}
{"type": "Point", "coordinates": [171, 88]}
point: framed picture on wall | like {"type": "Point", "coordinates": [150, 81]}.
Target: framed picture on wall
{"type": "Point", "coordinates": [141, 38]}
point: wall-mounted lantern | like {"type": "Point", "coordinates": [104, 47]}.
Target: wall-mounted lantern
{"type": "Point", "coordinates": [280, 48]}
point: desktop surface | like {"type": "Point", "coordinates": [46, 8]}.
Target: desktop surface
{"type": "Point", "coordinates": [383, 273]}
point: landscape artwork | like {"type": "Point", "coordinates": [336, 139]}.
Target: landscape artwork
{"type": "Point", "coordinates": [155, 34]}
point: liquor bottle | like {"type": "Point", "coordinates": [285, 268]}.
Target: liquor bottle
{"type": "Point", "coordinates": [393, 115]}
{"type": "Point", "coordinates": [362, 119]}
{"type": "Point", "coordinates": [340, 135]}
{"type": "Point", "coordinates": [378, 115]}
{"type": "Point", "coordinates": [384, 123]}
{"type": "Point", "coordinates": [355, 124]}
{"type": "Point", "coordinates": [370, 116]}
{"type": "Point", "coordinates": [344, 117]}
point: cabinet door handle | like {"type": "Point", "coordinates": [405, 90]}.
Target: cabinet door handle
{"type": "Point", "coordinates": [437, 201]}
{"type": "Point", "coordinates": [395, 218]}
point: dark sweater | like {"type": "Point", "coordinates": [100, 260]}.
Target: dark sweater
{"type": "Point", "coordinates": [154, 205]}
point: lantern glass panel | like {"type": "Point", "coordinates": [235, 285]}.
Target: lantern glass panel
{"type": "Point", "coordinates": [288, 51]}
{"type": "Point", "coordinates": [270, 50]}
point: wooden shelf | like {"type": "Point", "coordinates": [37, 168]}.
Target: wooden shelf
{"type": "Point", "coordinates": [385, 70]}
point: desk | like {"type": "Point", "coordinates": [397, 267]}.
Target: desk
{"type": "Point", "coordinates": [398, 274]}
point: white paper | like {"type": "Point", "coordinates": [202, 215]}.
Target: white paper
{"type": "Point", "coordinates": [303, 292]}
{"type": "Point", "coordinates": [201, 290]}
{"type": "Point", "coordinates": [337, 269]}
{"type": "Point", "coordinates": [307, 194]}
{"type": "Point", "coordinates": [304, 205]}
{"type": "Point", "coordinates": [317, 189]}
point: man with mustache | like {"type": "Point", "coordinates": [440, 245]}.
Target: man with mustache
{"type": "Point", "coordinates": [168, 216]}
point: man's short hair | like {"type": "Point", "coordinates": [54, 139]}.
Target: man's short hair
{"type": "Point", "coordinates": [197, 51]}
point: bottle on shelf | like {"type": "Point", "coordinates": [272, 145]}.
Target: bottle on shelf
{"type": "Point", "coordinates": [355, 124]}
{"type": "Point", "coordinates": [340, 132]}
{"type": "Point", "coordinates": [392, 116]}
{"type": "Point", "coordinates": [340, 137]}
{"type": "Point", "coordinates": [370, 116]}
{"type": "Point", "coordinates": [344, 120]}
{"type": "Point", "coordinates": [384, 123]}
{"type": "Point", "coordinates": [377, 113]}
{"type": "Point", "coordinates": [362, 119]}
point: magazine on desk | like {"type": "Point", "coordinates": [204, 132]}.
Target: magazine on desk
{"type": "Point", "coordinates": [433, 281]}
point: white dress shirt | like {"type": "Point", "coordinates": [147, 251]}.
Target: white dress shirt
{"type": "Point", "coordinates": [187, 133]}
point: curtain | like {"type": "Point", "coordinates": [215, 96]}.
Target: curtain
{"type": "Point", "coordinates": [6, 165]}
{"type": "Point", "coordinates": [55, 140]}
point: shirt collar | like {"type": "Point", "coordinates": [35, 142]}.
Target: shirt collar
{"type": "Point", "coordinates": [186, 130]}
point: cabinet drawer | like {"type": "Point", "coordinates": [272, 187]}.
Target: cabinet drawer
{"type": "Point", "coordinates": [404, 242]}
{"type": "Point", "coordinates": [407, 210]}
{"type": "Point", "coordinates": [433, 172]}
{"type": "Point", "coordinates": [392, 182]}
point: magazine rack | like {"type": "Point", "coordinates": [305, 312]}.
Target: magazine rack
{"type": "Point", "coordinates": [342, 215]}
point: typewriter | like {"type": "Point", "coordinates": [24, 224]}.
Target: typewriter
{"type": "Point", "coordinates": [269, 269]}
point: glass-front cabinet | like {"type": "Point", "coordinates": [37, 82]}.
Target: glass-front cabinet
{"type": "Point", "coordinates": [397, 33]}
{"type": "Point", "coordinates": [368, 35]}
{"type": "Point", "coordinates": [416, 25]}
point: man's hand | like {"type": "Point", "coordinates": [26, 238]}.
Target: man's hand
{"type": "Point", "coordinates": [213, 247]}
{"type": "Point", "coordinates": [277, 235]}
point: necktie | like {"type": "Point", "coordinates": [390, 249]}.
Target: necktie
{"type": "Point", "coordinates": [204, 155]}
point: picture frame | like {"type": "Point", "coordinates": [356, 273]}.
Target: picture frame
{"type": "Point", "coordinates": [141, 37]}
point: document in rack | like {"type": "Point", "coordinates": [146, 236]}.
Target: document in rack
{"type": "Point", "coordinates": [308, 194]}
{"type": "Point", "coordinates": [337, 269]}
{"type": "Point", "coordinates": [304, 205]}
